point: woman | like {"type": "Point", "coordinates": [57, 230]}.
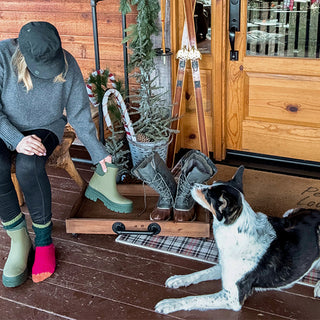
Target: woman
{"type": "Point", "coordinates": [38, 81]}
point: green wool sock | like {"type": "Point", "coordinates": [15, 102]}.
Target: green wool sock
{"type": "Point", "coordinates": [14, 222]}
{"type": "Point", "coordinates": [43, 234]}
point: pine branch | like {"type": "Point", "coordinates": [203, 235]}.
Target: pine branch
{"type": "Point", "coordinates": [125, 6]}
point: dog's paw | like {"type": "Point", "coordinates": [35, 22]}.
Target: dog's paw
{"type": "Point", "coordinates": [317, 290]}
{"type": "Point", "coordinates": [176, 282]}
{"type": "Point", "coordinates": [167, 306]}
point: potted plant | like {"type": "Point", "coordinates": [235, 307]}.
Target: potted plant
{"type": "Point", "coordinates": [152, 126]}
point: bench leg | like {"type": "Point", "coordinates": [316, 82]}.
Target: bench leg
{"type": "Point", "coordinates": [73, 172]}
{"type": "Point", "coordinates": [18, 189]}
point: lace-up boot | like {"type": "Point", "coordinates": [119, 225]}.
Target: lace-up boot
{"type": "Point", "coordinates": [154, 172]}
{"type": "Point", "coordinates": [195, 168]}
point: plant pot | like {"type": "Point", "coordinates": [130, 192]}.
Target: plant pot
{"type": "Point", "coordinates": [140, 150]}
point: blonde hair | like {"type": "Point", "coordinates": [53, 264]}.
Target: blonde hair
{"type": "Point", "coordinates": [20, 66]}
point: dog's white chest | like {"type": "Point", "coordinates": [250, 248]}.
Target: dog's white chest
{"type": "Point", "coordinates": [241, 246]}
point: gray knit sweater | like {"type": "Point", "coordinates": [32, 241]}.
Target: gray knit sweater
{"type": "Point", "coordinates": [43, 106]}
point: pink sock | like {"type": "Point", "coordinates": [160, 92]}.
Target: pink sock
{"type": "Point", "coordinates": [44, 263]}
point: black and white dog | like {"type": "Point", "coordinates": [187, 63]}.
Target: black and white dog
{"type": "Point", "coordinates": [256, 252]}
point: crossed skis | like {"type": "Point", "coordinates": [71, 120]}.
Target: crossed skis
{"type": "Point", "coordinates": [187, 52]}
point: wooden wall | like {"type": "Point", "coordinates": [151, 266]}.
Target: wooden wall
{"type": "Point", "coordinates": [73, 19]}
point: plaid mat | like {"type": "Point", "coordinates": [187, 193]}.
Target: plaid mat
{"type": "Point", "coordinates": [204, 250]}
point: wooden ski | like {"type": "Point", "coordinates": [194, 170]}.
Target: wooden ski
{"type": "Point", "coordinates": [195, 56]}
{"type": "Point", "coordinates": [182, 55]}
{"type": "Point", "coordinates": [188, 51]}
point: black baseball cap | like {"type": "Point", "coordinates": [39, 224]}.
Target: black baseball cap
{"type": "Point", "coordinates": [40, 44]}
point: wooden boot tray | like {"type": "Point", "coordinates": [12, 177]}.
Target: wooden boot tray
{"type": "Point", "coordinates": [91, 217]}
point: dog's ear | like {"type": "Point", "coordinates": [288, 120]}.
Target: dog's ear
{"type": "Point", "coordinates": [237, 178]}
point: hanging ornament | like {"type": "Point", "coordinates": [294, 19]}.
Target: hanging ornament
{"type": "Point", "coordinates": [97, 84]}
{"type": "Point", "coordinates": [123, 110]}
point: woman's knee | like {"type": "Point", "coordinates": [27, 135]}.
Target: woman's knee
{"type": "Point", "coordinates": [28, 167]}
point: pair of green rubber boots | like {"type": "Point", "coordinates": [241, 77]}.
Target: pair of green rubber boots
{"type": "Point", "coordinates": [103, 186]}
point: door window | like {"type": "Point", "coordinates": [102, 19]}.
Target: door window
{"type": "Point", "coordinates": [202, 21]}
{"type": "Point", "coordinates": [287, 28]}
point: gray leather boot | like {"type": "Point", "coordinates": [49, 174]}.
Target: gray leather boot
{"type": "Point", "coordinates": [155, 173]}
{"type": "Point", "coordinates": [195, 168]}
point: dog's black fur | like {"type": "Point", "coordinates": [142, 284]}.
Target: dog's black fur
{"type": "Point", "coordinates": [290, 255]}
{"type": "Point", "coordinates": [256, 252]}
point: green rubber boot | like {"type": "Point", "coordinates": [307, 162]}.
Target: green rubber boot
{"type": "Point", "coordinates": [103, 186]}
{"type": "Point", "coordinates": [20, 257]}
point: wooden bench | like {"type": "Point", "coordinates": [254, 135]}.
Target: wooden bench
{"type": "Point", "coordinates": [60, 158]}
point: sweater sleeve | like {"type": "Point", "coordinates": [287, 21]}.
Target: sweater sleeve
{"type": "Point", "coordinates": [79, 115]}
{"type": "Point", "coordinates": [8, 132]}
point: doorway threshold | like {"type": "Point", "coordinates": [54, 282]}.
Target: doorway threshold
{"type": "Point", "coordinates": [296, 167]}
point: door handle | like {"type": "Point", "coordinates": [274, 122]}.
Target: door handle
{"type": "Point", "coordinates": [234, 25]}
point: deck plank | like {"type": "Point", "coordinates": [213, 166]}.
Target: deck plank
{"type": "Point", "coordinates": [13, 310]}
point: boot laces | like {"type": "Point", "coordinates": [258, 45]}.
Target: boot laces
{"type": "Point", "coordinates": [184, 189]}
{"type": "Point", "coordinates": [163, 190]}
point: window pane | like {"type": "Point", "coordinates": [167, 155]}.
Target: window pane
{"type": "Point", "coordinates": [283, 28]}
{"type": "Point", "coordinates": [202, 21]}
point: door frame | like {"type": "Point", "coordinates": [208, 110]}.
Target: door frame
{"type": "Point", "coordinates": [219, 49]}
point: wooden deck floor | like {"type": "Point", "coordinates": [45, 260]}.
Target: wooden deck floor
{"type": "Point", "coordinates": [96, 278]}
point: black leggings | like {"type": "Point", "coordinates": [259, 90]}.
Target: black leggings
{"type": "Point", "coordinates": [32, 177]}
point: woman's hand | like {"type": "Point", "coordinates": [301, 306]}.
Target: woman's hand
{"type": "Point", "coordinates": [31, 145]}
{"type": "Point", "coordinates": [103, 162]}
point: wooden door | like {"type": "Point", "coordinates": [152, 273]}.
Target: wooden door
{"type": "Point", "coordinates": [272, 101]}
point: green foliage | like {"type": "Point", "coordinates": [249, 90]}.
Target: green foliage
{"type": "Point", "coordinates": [125, 6]}
{"type": "Point", "coordinates": [139, 34]}
{"type": "Point", "coordinates": [154, 115]}
{"type": "Point", "coordinates": [99, 84]}
{"type": "Point", "coordinates": [115, 146]}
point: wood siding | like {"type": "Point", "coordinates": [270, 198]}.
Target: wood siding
{"type": "Point", "coordinates": [73, 19]}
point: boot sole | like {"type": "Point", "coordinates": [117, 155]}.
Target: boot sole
{"type": "Point", "coordinates": [94, 195]}
{"type": "Point", "coordinates": [12, 282]}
